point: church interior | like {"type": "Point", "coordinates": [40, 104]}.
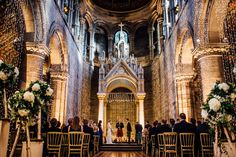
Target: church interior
{"type": "Point", "coordinates": [113, 60]}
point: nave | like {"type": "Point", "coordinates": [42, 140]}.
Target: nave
{"type": "Point", "coordinates": [120, 154]}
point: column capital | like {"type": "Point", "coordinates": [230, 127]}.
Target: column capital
{"type": "Point", "coordinates": [37, 49]}
{"type": "Point", "coordinates": [59, 75]}
{"type": "Point", "coordinates": [82, 20]}
{"type": "Point", "coordinates": [210, 49]}
{"type": "Point", "coordinates": [101, 96]}
{"type": "Point", "coordinates": [141, 96]}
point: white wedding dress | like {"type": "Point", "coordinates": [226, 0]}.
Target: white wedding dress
{"type": "Point", "coordinates": [109, 134]}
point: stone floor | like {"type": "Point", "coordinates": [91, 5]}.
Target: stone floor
{"type": "Point", "coordinates": [120, 154]}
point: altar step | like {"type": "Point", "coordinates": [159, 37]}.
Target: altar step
{"type": "Point", "coordinates": [121, 147]}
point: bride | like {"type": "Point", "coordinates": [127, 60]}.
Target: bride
{"type": "Point", "coordinates": [109, 133]}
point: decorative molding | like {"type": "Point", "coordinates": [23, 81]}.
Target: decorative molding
{"type": "Point", "coordinates": [210, 49]}
{"type": "Point", "coordinates": [101, 96]}
{"type": "Point", "coordinates": [37, 49]}
{"type": "Point", "coordinates": [141, 96]}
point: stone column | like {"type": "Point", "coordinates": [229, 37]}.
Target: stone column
{"type": "Point", "coordinates": [82, 33]}
{"type": "Point", "coordinates": [34, 61]}
{"type": "Point", "coordinates": [91, 44]}
{"type": "Point", "coordinates": [141, 97]}
{"type": "Point", "coordinates": [101, 97]}
{"type": "Point", "coordinates": [150, 35]}
{"type": "Point", "coordinates": [210, 63]}
{"type": "Point", "coordinates": [110, 43]}
{"type": "Point", "coordinates": [183, 88]}
{"type": "Point", "coordinates": [59, 84]}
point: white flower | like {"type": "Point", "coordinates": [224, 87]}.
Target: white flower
{"type": "Point", "coordinates": [234, 70]}
{"type": "Point", "coordinates": [29, 96]}
{"type": "Point", "coordinates": [224, 86]}
{"type": "Point", "coordinates": [213, 86]}
{"type": "Point", "coordinates": [3, 76]}
{"type": "Point", "coordinates": [23, 112]}
{"type": "Point", "coordinates": [49, 91]}
{"type": "Point", "coordinates": [228, 117]}
{"type": "Point", "coordinates": [16, 71]}
{"type": "Point", "coordinates": [1, 62]}
{"type": "Point", "coordinates": [204, 114]}
{"type": "Point", "coordinates": [232, 96]}
{"type": "Point", "coordinates": [36, 87]}
{"type": "Point", "coordinates": [214, 104]}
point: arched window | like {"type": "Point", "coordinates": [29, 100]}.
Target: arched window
{"type": "Point", "coordinates": [117, 36]}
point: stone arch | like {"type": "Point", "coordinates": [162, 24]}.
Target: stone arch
{"type": "Point", "coordinates": [34, 16]}
{"type": "Point", "coordinates": [58, 71]}
{"type": "Point", "coordinates": [209, 25]}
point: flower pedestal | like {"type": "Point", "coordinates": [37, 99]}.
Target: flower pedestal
{"type": "Point", "coordinates": [36, 148]}
{"type": "Point", "coordinates": [4, 134]}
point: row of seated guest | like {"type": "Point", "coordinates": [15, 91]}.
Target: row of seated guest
{"type": "Point", "coordinates": [74, 124]}
{"type": "Point", "coordinates": [181, 126]}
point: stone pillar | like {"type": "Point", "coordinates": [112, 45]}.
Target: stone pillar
{"type": "Point", "coordinates": [110, 43]}
{"type": "Point", "coordinates": [159, 35]}
{"type": "Point", "coordinates": [91, 45]}
{"type": "Point", "coordinates": [211, 70]}
{"type": "Point", "coordinates": [59, 84]}
{"type": "Point", "coordinates": [184, 103]}
{"type": "Point", "coordinates": [141, 97]}
{"type": "Point", "coordinates": [101, 97]}
{"type": "Point", "coordinates": [150, 35]}
{"type": "Point", "coordinates": [34, 61]}
{"type": "Point", "coordinates": [209, 59]}
{"type": "Point", "coordinates": [82, 33]}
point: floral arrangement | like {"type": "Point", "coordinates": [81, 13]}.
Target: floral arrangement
{"type": "Point", "coordinates": [8, 75]}
{"type": "Point", "coordinates": [25, 104]}
{"type": "Point", "coordinates": [219, 111]}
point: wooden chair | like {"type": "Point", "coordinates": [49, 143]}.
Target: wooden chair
{"type": "Point", "coordinates": [86, 142]}
{"type": "Point", "coordinates": [153, 140]}
{"type": "Point", "coordinates": [64, 144]}
{"type": "Point", "coordinates": [170, 143]}
{"type": "Point", "coordinates": [54, 143]}
{"type": "Point", "coordinates": [187, 143]}
{"type": "Point", "coordinates": [160, 140]}
{"type": "Point", "coordinates": [206, 144]}
{"type": "Point", "coordinates": [75, 143]}
{"type": "Point", "coordinates": [96, 143]}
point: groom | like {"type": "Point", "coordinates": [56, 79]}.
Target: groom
{"type": "Point", "coordinates": [129, 130]}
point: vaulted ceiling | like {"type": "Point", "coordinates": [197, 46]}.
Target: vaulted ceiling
{"type": "Point", "coordinates": [121, 5]}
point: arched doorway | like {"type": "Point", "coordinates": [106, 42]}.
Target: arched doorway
{"type": "Point", "coordinates": [121, 104]}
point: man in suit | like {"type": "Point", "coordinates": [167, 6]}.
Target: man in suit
{"type": "Point", "coordinates": [89, 130]}
{"type": "Point", "coordinates": [183, 126]}
{"type": "Point", "coordinates": [67, 128]}
{"type": "Point", "coordinates": [129, 130]}
{"type": "Point", "coordinates": [53, 127]}
{"type": "Point", "coordinates": [138, 129]}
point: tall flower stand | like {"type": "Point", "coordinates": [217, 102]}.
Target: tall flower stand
{"type": "Point", "coordinates": [4, 134]}
{"type": "Point", "coordinates": [28, 152]}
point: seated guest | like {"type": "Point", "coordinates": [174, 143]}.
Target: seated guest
{"type": "Point", "coordinates": [164, 127]}
{"type": "Point", "coordinates": [96, 130]}
{"type": "Point", "coordinates": [172, 124]}
{"type": "Point", "coordinates": [67, 128]}
{"type": "Point", "coordinates": [54, 127]}
{"type": "Point", "coordinates": [89, 130]}
{"type": "Point", "coordinates": [183, 126]}
{"type": "Point", "coordinates": [76, 124]}
{"type": "Point", "coordinates": [193, 122]}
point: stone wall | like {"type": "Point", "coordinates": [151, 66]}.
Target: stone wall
{"type": "Point", "coordinates": [156, 89]}
{"type": "Point", "coordinates": [148, 101]}
{"type": "Point", "coordinates": [167, 61]}
{"type": "Point", "coordinates": [93, 96]}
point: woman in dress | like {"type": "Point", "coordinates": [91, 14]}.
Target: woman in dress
{"type": "Point", "coordinates": [109, 133]}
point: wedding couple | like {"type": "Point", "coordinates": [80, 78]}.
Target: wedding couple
{"type": "Point", "coordinates": [110, 130]}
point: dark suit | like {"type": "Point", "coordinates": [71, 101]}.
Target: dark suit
{"type": "Point", "coordinates": [87, 129]}
{"type": "Point", "coordinates": [129, 130]}
{"type": "Point", "coordinates": [66, 128]}
{"type": "Point", "coordinates": [163, 128]}
{"type": "Point", "coordinates": [184, 127]}
{"type": "Point", "coordinates": [54, 129]}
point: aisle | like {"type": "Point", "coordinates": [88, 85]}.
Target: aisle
{"type": "Point", "coordinates": [120, 154]}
